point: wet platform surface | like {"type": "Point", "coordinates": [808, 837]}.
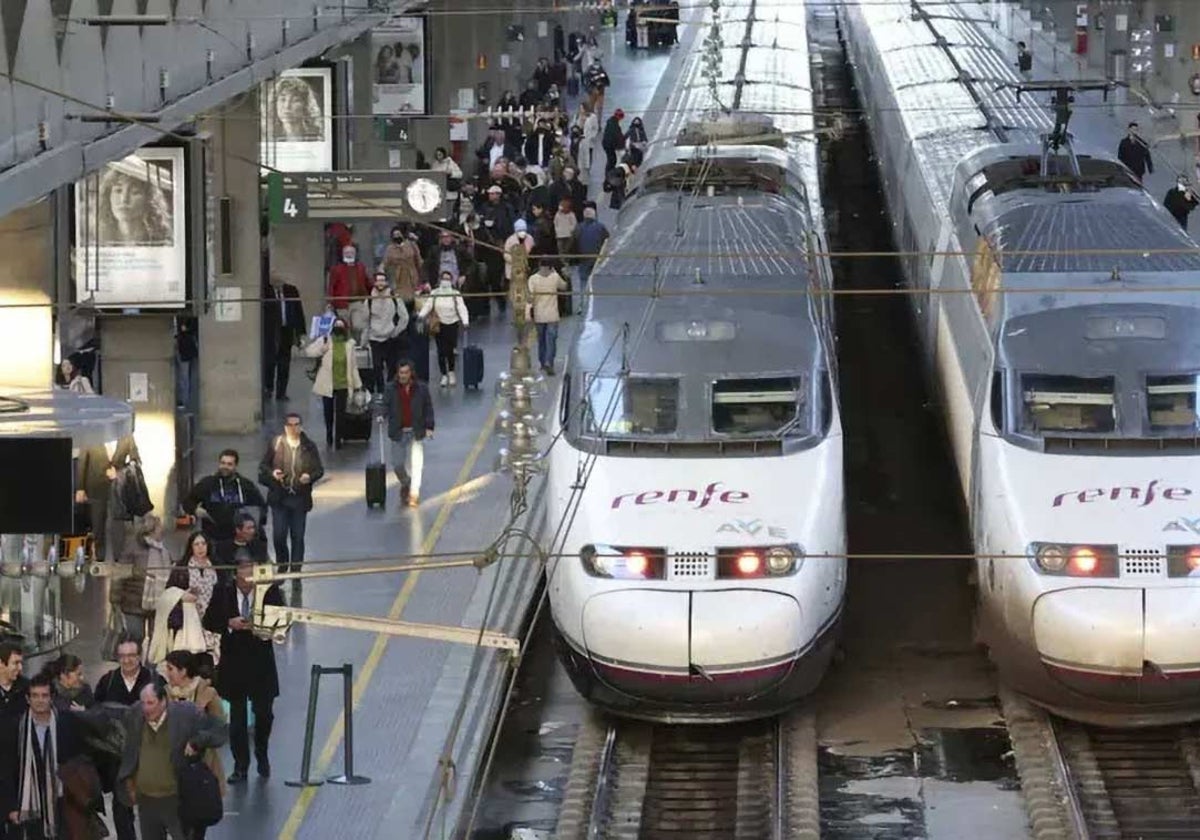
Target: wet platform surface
{"type": "Point", "coordinates": [407, 690]}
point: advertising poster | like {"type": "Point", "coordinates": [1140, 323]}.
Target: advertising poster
{"type": "Point", "coordinates": [297, 120]}
{"type": "Point", "coordinates": [398, 79]}
{"type": "Point", "coordinates": [130, 232]}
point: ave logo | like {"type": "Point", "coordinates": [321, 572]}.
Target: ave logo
{"type": "Point", "coordinates": [752, 528]}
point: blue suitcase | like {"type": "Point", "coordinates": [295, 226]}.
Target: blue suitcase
{"type": "Point", "coordinates": [472, 364]}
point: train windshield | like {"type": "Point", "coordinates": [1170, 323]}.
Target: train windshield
{"type": "Point", "coordinates": [1171, 401]}
{"type": "Point", "coordinates": [756, 406]}
{"type": "Point", "coordinates": [1068, 404]}
{"type": "Point", "coordinates": [632, 406]}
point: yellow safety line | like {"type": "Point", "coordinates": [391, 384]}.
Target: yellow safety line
{"type": "Point", "coordinates": [304, 801]}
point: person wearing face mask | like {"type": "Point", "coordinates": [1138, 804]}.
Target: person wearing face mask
{"type": "Point", "coordinates": [337, 376]}
{"type": "Point", "coordinates": [590, 240]}
{"type": "Point", "coordinates": [636, 142]}
{"type": "Point", "coordinates": [347, 281]}
{"type": "Point", "coordinates": [1180, 201]}
{"type": "Point", "coordinates": [539, 144]}
{"type": "Point", "coordinates": [402, 264]}
{"type": "Point", "coordinates": [1135, 153]}
{"type": "Point", "coordinates": [447, 302]}
{"type": "Point", "coordinates": [387, 325]}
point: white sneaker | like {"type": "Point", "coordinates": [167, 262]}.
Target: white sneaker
{"type": "Point", "coordinates": [445, 380]}
{"type": "Point", "coordinates": [453, 379]}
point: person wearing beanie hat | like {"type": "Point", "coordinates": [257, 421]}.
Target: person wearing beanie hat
{"type": "Point", "coordinates": [613, 139]}
{"type": "Point", "coordinates": [520, 227]}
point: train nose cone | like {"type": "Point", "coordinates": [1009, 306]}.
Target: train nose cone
{"type": "Point", "coordinates": [693, 648]}
{"type": "Point", "coordinates": [1121, 645]}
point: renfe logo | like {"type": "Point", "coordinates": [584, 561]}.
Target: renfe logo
{"type": "Point", "coordinates": [1144, 495]}
{"type": "Point", "coordinates": [709, 494]}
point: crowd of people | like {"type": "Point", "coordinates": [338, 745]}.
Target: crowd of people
{"type": "Point", "coordinates": [151, 731]}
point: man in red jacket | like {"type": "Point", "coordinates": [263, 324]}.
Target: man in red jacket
{"type": "Point", "coordinates": [347, 281]}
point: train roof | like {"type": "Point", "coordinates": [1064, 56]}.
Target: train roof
{"type": "Point", "coordinates": [727, 245]}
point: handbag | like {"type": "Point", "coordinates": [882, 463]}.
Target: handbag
{"type": "Point", "coordinates": [199, 795]}
{"type": "Point", "coordinates": [433, 324]}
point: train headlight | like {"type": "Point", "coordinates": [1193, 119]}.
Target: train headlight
{"type": "Point", "coordinates": [623, 563]}
{"type": "Point", "coordinates": [1183, 561]}
{"type": "Point", "coordinates": [1052, 558]}
{"type": "Point", "coordinates": [780, 560]}
{"type": "Point", "coordinates": [1074, 560]}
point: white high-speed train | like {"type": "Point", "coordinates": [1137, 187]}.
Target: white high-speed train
{"type": "Point", "coordinates": [1069, 376]}
{"type": "Point", "coordinates": [700, 462]}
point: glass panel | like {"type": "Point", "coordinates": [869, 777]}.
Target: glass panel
{"type": "Point", "coordinates": [1172, 402]}
{"type": "Point", "coordinates": [1068, 404]}
{"type": "Point", "coordinates": [755, 406]}
{"type": "Point", "coordinates": [632, 406]}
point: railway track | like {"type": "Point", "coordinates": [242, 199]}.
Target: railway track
{"type": "Point", "coordinates": [1086, 782]}
{"type": "Point", "coordinates": [638, 781]}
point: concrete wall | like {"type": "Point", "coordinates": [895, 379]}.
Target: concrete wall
{"type": "Point", "coordinates": [231, 336]}
{"type": "Point", "coordinates": [27, 277]}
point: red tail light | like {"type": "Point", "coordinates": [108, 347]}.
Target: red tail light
{"type": "Point", "coordinates": [749, 564]}
{"type": "Point", "coordinates": [1083, 560]}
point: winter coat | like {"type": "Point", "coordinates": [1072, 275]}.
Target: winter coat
{"type": "Point", "coordinates": [543, 292]}
{"type": "Point", "coordinates": [322, 348]}
{"type": "Point", "coordinates": [402, 265]}
{"type": "Point", "coordinates": [614, 137]}
{"type": "Point", "coordinates": [151, 568]}
{"type": "Point", "coordinates": [448, 303]}
{"type": "Point", "coordinates": [346, 281]}
{"type": "Point", "coordinates": [278, 457]}
{"type": "Point", "coordinates": [564, 225]}
{"type": "Point", "coordinates": [466, 263]}
{"type": "Point", "coordinates": [247, 668]}
{"type": "Point", "coordinates": [222, 498]}
{"type": "Point", "coordinates": [509, 243]}
{"type": "Point", "coordinates": [185, 725]}
{"type": "Point", "coordinates": [1134, 153]}
{"type": "Point", "coordinates": [387, 317]}
{"type": "Point", "coordinates": [422, 410]}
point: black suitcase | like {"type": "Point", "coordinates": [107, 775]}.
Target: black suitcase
{"type": "Point", "coordinates": [472, 364]}
{"type": "Point", "coordinates": [376, 472]}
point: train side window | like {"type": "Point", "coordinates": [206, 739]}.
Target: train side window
{"type": "Point", "coordinates": [998, 400]}
{"type": "Point", "coordinates": [564, 404]}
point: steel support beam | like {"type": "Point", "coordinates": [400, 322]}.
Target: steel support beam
{"type": "Point", "coordinates": [275, 622]}
{"type": "Point", "coordinates": [30, 180]}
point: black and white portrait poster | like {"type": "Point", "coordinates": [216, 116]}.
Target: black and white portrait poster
{"type": "Point", "coordinates": [297, 120]}
{"type": "Point", "coordinates": [130, 232]}
{"type": "Point", "coordinates": [398, 68]}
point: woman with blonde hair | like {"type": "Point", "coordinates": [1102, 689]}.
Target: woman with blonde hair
{"type": "Point", "coordinates": [297, 113]}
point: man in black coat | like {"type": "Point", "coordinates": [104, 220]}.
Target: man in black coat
{"type": "Point", "coordinates": [450, 255]}
{"type": "Point", "coordinates": [289, 469]}
{"type": "Point", "coordinates": [283, 328]}
{"type": "Point", "coordinates": [613, 139]}
{"type": "Point", "coordinates": [1134, 153]}
{"type": "Point", "coordinates": [568, 187]}
{"type": "Point", "coordinates": [95, 471]}
{"type": "Point", "coordinates": [216, 498]}
{"type": "Point", "coordinates": [247, 670]}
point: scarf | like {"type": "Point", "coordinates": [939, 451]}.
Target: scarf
{"type": "Point", "coordinates": [32, 796]}
{"type": "Point", "coordinates": [187, 691]}
{"type": "Point", "coordinates": [340, 376]}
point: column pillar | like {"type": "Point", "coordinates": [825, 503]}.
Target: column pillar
{"type": "Point", "coordinates": [140, 349]}
{"type": "Point", "coordinates": [27, 277]}
{"type": "Point", "coordinates": [230, 364]}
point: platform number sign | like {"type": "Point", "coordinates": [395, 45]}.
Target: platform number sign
{"type": "Point", "coordinates": [358, 195]}
{"type": "Point", "coordinates": [289, 208]}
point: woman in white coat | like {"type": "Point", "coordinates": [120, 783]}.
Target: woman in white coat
{"type": "Point", "coordinates": [336, 377]}
{"type": "Point", "coordinates": [443, 311]}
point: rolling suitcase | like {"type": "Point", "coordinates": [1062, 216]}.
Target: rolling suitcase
{"type": "Point", "coordinates": [377, 471]}
{"type": "Point", "coordinates": [472, 366]}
